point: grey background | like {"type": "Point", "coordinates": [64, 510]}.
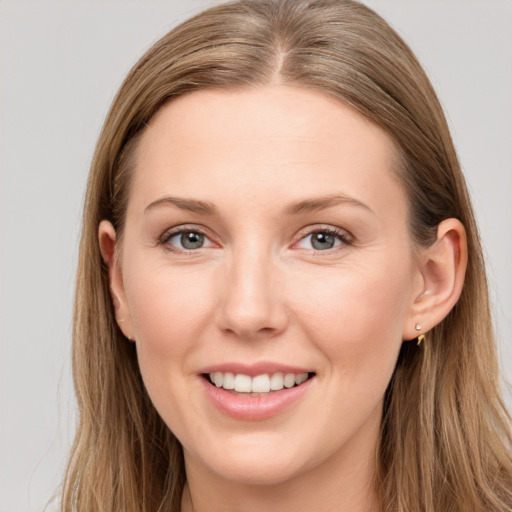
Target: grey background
{"type": "Point", "coordinates": [60, 65]}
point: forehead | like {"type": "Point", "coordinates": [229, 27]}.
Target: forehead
{"type": "Point", "coordinates": [258, 143]}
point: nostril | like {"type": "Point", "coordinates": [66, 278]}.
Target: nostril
{"type": "Point", "coordinates": [267, 331]}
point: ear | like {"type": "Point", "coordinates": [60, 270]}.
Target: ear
{"type": "Point", "coordinates": [442, 267]}
{"type": "Point", "coordinates": [107, 241]}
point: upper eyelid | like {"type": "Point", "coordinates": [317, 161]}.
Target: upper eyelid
{"type": "Point", "coordinates": [345, 237]}
{"type": "Point", "coordinates": [170, 233]}
{"type": "Point", "coordinates": [304, 232]}
{"type": "Point", "coordinates": [183, 228]}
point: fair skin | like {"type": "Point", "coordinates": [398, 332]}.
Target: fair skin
{"type": "Point", "coordinates": [297, 258]}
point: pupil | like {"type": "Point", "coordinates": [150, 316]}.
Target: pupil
{"type": "Point", "coordinates": [192, 240]}
{"type": "Point", "coordinates": [322, 241]}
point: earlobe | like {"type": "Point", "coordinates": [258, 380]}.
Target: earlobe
{"type": "Point", "coordinates": [442, 267]}
{"type": "Point", "coordinates": [107, 242]}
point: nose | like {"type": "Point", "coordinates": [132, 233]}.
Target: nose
{"type": "Point", "coordinates": [252, 305]}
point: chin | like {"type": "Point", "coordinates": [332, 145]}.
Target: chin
{"type": "Point", "coordinates": [257, 473]}
{"type": "Point", "coordinates": [255, 462]}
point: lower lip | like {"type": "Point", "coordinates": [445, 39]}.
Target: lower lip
{"type": "Point", "coordinates": [254, 408]}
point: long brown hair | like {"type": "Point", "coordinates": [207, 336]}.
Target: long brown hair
{"type": "Point", "coordinates": [445, 440]}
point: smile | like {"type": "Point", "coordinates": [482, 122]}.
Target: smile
{"type": "Point", "coordinates": [264, 383]}
{"type": "Point", "coordinates": [256, 392]}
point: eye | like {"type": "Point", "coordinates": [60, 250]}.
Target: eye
{"type": "Point", "coordinates": [324, 239]}
{"type": "Point", "coordinates": [186, 240]}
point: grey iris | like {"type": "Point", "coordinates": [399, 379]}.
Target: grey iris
{"type": "Point", "coordinates": [192, 240]}
{"type": "Point", "coordinates": [322, 241]}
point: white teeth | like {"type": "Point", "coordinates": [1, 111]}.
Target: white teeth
{"type": "Point", "coordinates": [242, 383]}
{"type": "Point", "coordinates": [289, 380]}
{"type": "Point", "coordinates": [276, 382]}
{"type": "Point", "coordinates": [218, 379]}
{"type": "Point", "coordinates": [263, 383]}
{"type": "Point", "coordinates": [229, 381]}
{"type": "Point", "coordinates": [300, 378]}
{"type": "Point", "coordinates": [260, 384]}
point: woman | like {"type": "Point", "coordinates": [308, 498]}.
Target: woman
{"type": "Point", "coordinates": [281, 298]}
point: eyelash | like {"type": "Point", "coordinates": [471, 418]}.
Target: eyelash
{"type": "Point", "coordinates": [168, 235]}
{"type": "Point", "coordinates": [343, 236]}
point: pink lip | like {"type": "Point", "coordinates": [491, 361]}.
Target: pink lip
{"type": "Point", "coordinates": [254, 407]}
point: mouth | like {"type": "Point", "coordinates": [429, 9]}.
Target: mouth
{"type": "Point", "coordinates": [257, 385]}
{"type": "Point", "coordinates": [257, 391]}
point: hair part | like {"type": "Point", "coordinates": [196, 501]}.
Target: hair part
{"type": "Point", "coordinates": [445, 442]}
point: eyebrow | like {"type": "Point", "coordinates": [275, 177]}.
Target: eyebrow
{"type": "Point", "coordinates": [192, 205]}
{"type": "Point", "coordinates": [321, 203]}
{"type": "Point", "coordinates": [304, 206]}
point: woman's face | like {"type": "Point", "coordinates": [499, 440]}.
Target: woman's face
{"type": "Point", "coordinates": [267, 241]}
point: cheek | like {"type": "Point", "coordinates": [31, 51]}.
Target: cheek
{"type": "Point", "coordinates": [355, 323]}
{"type": "Point", "coordinates": [356, 317]}
{"type": "Point", "coordinates": [168, 308]}
{"type": "Point", "coordinates": [170, 311]}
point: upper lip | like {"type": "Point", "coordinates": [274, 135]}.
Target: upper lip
{"type": "Point", "coordinates": [253, 369]}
